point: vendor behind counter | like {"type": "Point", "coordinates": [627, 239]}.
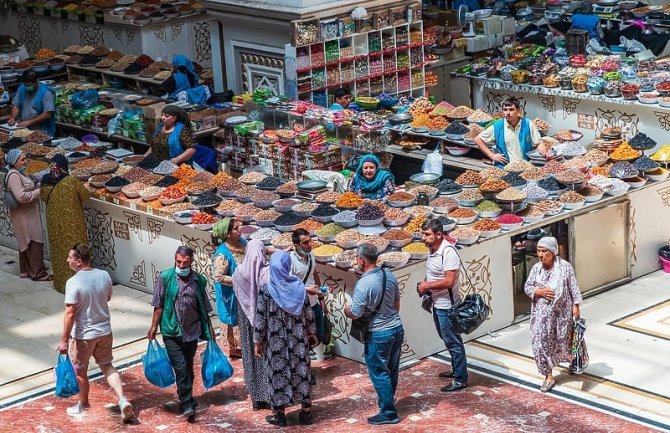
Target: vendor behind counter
{"type": "Point", "coordinates": [174, 140]}
{"type": "Point", "coordinates": [514, 136]}
{"type": "Point", "coordinates": [370, 181]}
{"type": "Point", "coordinates": [34, 105]}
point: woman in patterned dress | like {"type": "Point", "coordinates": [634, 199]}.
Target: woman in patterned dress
{"type": "Point", "coordinates": [284, 331]}
{"type": "Point", "coordinates": [252, 273]}
{"type": "Point", "coordinates": [555, 295]}
{"type": "Point", "coordinates": [64, 197]}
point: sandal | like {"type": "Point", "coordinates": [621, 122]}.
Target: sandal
{"type": "Point", "coordinates": [546, 386]}
{"type": "Point", "coordinates": [48, 277]}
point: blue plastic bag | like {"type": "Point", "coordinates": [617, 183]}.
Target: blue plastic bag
{"type": "Point", "coordinates": [85, 99]}
{"type": "Point", "coordinates": [215, 365]}
{"type": "Point", "coordinates": [66, 378]}
{"type": "Point", "coordinates": [157, 367]}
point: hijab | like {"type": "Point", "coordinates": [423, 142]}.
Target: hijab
{"type": "Point", "coordinates": [550, 243]}
{"type": "Point", "coordinates": [184, 65]}
{"type": "Point", "coordinates": [376, 183]}
{"type": "Point", "coordinates": [220, 229]}
{"type": "Point", "coordinates": [58, 170]}
{"type": "Point", "coordinates": [251, 274]}
{"type": "Point", "coordinates": [286, 289]}
{"type": "Point", "coordinates": [12, 156]}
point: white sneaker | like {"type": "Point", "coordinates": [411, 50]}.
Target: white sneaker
{"type": "Point", "coordinates": [77, 409]}
{"type": "Point", "coordinates": [126, 410]}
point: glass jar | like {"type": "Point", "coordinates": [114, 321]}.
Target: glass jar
{"type": "Point", "coordinates": [519, 77]}
{"type": "Point", "coordinates": [595, 85]}
{"type": "Point", "coordinates": [612, 89]}
{"type": "Point", "coordinates": [578, 83]}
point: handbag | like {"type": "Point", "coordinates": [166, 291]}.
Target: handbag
{"type": "Point", "coordinates": [470, 313]}
{"type": "Point", "coordinates": [578, 348]}
{"type": "Point", "coordinates": [360, 328]}
{"type": "Point", "coordinates": [427, 301]}
{"type": "Point", "coordinates": [8, 198]}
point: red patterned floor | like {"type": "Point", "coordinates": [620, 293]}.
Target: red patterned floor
{"type": "Point", "coordinates": [343, 399]}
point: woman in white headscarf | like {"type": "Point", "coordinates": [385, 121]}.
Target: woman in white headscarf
{"type": "Point", "coordinates": [555, 295]}
{"type": "Point", "coordinates": [284, 331]}
{"type": "Point", "coordinates": [25, 217]}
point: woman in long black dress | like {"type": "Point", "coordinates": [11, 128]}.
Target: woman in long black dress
{"type": "Point", "coordinates": [284, 332]}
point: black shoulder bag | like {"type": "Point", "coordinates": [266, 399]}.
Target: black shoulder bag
{"type": "Point", "coordinates": [466, 316]}
{"type": "Point", "coordinates": [360, 328]}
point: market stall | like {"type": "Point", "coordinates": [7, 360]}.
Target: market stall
{"type": "Point", "coordinates": [133, 238]}
{"type": "Point", "coordinates": [186, 33]}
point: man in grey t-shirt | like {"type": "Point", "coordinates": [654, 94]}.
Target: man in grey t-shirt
{"type": "Point", "coordinates": [442, 269]}
{"type": "Point", "coordinates": [383, 346]}
{"type": "Point", "coordinates": [87, 330]}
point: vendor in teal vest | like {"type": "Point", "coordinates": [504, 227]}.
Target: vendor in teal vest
{"type": "Point", "coordinates": [174, 141]}
{"type": "Point", "coordinates": [181, 308]}
{"type": "Point", "coordinates": [229, 252]}
{"type": "Point", "coordinates": [34, 105]}
{"type": "Point", "coordinates": [513, 137]}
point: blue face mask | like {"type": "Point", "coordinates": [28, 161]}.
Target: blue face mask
{"type": "Point", "coordinates": [22, 168]}
{"type": "Point", "coordinates": [182, 272]}
{"type": "Point", "coordinates": [29, 88]}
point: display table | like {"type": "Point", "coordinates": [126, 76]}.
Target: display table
{"type": "Point", "coordinates": [185, 35]}
{"type": "Point", "coordinates": [566, 109]}
{"type": "Point", "coordinates": [612, 240]}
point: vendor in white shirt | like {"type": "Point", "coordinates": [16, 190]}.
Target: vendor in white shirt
{"type": "Point", "coordinates": [514, 136]}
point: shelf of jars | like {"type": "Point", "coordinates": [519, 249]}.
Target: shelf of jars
{"type": "Point", "coordinates": [388, 60]}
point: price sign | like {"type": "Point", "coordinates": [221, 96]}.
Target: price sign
{"type": "Point", "coordinates": [585, 121]}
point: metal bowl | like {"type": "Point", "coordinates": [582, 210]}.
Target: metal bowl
{"type": "Point", "coordinates": [400, 118]}
{"type": "Point", "coordinates": [311, 185]}
{"type": "Point", "coordinates": [425, 178]}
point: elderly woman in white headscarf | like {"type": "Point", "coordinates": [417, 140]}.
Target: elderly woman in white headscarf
{"type": "Point", "coordinates": [555, 295]}
{"type": "Point", "coordinates": [25, 217]}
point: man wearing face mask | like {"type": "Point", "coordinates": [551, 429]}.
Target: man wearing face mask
{"type": "Point", "coordinates": [303, 266]}
{"type": "Point", "coordinates": [181, 308]}
{"type": "Point", "coordinates": [34, 105]}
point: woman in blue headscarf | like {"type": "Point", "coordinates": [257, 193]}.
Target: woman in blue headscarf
{"type": "Point", "coordinates": [284, 331]}
{"type": "Point", "coordinates": [370, 181]}
{"type": "Point", "coordinates": [184, 84]}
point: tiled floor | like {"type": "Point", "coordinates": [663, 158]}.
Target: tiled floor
{"type": "Point", "coordinates": [625, 381]}
{"type": "Point", "coordinates": [628, 346]}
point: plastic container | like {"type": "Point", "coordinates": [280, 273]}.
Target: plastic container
{"type": "Point", "coordinates": [665, 263]}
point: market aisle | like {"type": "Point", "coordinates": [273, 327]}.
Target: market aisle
{"type": "Point", "coordinates": [31, 321]}
{"type": "Point", "coordinates": [628, 339]}
{"type": "Point", "coordinates": [343, 398]}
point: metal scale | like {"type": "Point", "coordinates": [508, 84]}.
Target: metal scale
{"type": "Point", "coordinates": [606, 12]}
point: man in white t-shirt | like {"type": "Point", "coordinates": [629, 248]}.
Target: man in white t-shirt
{"type": "Point", "coordinates": [442, 269]}
{"type": "Point", "coordinates": [303, 266]}
{"type": "Point", "coordinates": [87, 330]}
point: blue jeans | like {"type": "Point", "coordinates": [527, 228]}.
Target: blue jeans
{"type": "Point", "coordinates": [382, 357]}
{"type": "Point", "coordinates": [318, 319]}
{"type": "Point", "coordinates": [454, 344]}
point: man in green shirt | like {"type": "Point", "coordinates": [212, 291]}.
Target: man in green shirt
{"type": "Point", "coordinates": [181, 308]}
